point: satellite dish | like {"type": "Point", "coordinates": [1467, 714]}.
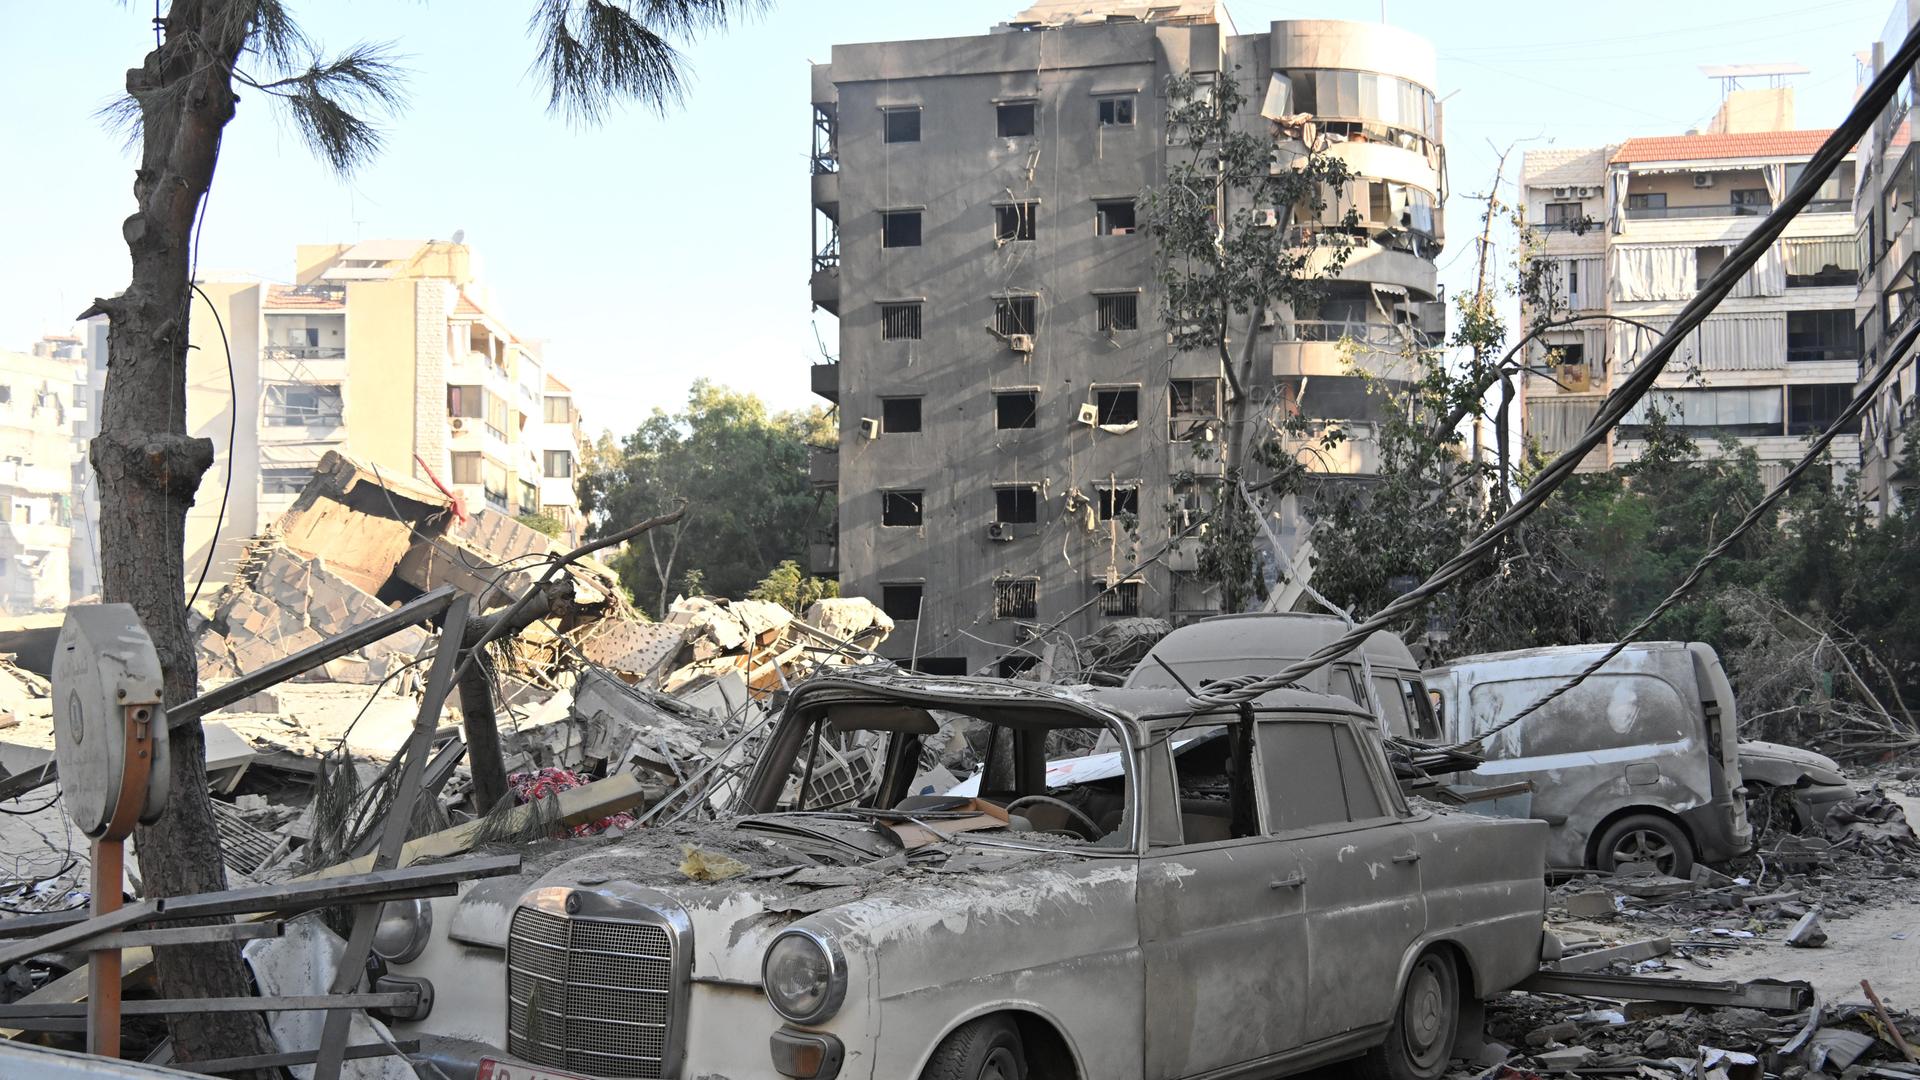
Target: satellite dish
{"type": "Point", "coordinates": [459, 236]}
{"type": "Point", "coordinates": [110, 732]}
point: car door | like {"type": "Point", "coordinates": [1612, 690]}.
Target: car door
{"type": "Point", "coordinates": [1222, 935]}
{"type": "Point", "coordinates": [1325, 793]}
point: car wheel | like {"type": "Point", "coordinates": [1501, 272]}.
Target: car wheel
{"type": "Point", "coordinates": [1419, 1046]}
{"type": "Point", "coordinates": [1645, 840]}
{"type": "Point", "coordinates": [984, 1049]}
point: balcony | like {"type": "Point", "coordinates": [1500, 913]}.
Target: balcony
{"type": "Point", "coordinates": [1338, 347]}
{"type": "Point", "coordinates": [826, 194]}
{"type": "Point", "coordinates": [1710, 210]}
{"type": "Point", "coordinates": [826, 381]}
{"type": "Point", "coordinates": [303, 352]}
{"type": "Point", "coordinates": [823, 467]}
{"type": "Point", "coordinates": [825, 286]}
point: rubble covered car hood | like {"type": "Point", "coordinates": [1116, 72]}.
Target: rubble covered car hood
{"type": "Point", "coordinates": [1784, 766]}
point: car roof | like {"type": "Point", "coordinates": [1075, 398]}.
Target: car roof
{"type": "Point", "coordinates": [1584, 653]}
{"type": "Point", "coordinates": [1264, 635]}
{"type": "Point", "coordinates": [1148, 707]}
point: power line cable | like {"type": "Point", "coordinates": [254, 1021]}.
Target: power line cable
{"type": "Point", "coordinates": [233, 431]}
{"type": "Point", "coordinates": [1838, 146]}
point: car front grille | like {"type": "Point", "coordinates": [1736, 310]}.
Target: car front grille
{"type": "Point", "coordinates": [602, 991]}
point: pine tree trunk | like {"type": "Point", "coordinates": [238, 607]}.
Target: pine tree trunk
{"type": "Point", "coordinates": [149, 470]}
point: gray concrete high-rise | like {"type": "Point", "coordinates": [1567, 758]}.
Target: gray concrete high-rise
{"type": "Point", "coordinates": [1016, 434]}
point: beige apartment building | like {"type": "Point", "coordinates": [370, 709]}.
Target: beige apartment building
{"type": "Point", "coordinates": [390, 352]}
{"type": "Point", "coordinates": [1632, 230]}
{"type": "Point", "coordinates": [1889, 295]}
{"type": "Point", "coordinates": [1017, 436]}
{"type": "Point", "coordinates": [42, 408]}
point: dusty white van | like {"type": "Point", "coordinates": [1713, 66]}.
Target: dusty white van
{"type": "Point", "coordinates": [1637, 766]}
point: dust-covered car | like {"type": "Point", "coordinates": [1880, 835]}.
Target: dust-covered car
{"type": "Point", "coordinates": [1240, 892]}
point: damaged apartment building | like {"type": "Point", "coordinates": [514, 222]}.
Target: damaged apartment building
{"type": "Point", "coordinates": [1016, 432]}
{"type": "Point", "coordinates": [1632, 230]}
{"type": "Point", "coordinates": [390, 352]}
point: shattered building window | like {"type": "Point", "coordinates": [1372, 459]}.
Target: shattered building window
{"type": "Point", "coordinates": [900, 415]}
{"type": "Point", "coordinates": [466, 468]}
{"type": "Point", "coordinates": [284, 479]}
{"type": "Point", "coordinates": [1014, 221]}
{"type": "Point", "coordinates": [1016, 118]}
{"type": "Point", "coordinates": [1123, 599]}
{"type": "Point", "coordinates": [1015, 314]}
{"type": "Point", "coordinates": [900, 228]}
{"type": "Point", "coordinates": [1117, 500]}
{"type": "Point", "coordinates": [304, 405]}
{"type": "Point", "coordinates": [1118, 311]}
{"type": "Point", "coordinates": [557, 463]}
{"type": "Point", "coordinates": [1116, 111]}
{"type": "Point", "coordinates": [901, 601]}
{"type": "Point", "coordinates": [900, 322]}
{"type": "Point", "coordinates": [1016, 504]}
{"type": "Point", "coordinates": [1118, 405]}
{"type": "Point", "coordinates": [902, 125]}
{"type": "Point", "coordinates": [902, 508]}
{"type": "Point", "coordinates": [1113, 217]}
{"type": "Point", "coordinates": [1016, 598]}
{"type": "Point", "coordinates": [1192, 405]}
{"type": "Point", "coordinates": [1015, 408]}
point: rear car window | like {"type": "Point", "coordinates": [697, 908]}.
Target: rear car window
{"type": "Point", "coordinates": [1315, 775]}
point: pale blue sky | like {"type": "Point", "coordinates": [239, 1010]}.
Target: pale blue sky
{"type": "Point", "coordinates": [652, 251]}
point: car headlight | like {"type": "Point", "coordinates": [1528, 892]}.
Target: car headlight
{"type": "Point", "coordinates": [402, 932]}
{"type": "Point", "coordinates": [805, 976]}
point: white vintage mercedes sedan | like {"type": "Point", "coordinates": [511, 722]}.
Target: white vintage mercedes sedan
{"type": "Point", "coordinates": [1233, 893]}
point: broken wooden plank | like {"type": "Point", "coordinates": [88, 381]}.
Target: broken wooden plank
{"type": "Point", "coordinates": [1631, 952]}
{"type": "Point", "coordinates": [189, 935]}
{"type": "Point", "coordinates": [24, 1013]}
{"type": "Point", "coordinates": [333, 648]}
{"type": "Point", "coordinates": [441, 879]}
{"type": "Point", "coordinates": [1769, 995]}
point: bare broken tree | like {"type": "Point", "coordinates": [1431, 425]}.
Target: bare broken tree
{"type": "Point", "coordinates": [593, 55]}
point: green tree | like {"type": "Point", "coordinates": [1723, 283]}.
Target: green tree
{"type": "Point", "coordinates": [1239, 232]}
{"type": "Point", "coordinates": [593, 54]}
{"type": "Point", "coordinates": [792, 588]}
{"type": "Point", "coordinates": [742, 473]}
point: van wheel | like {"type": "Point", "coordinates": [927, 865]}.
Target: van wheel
{"type": "Point", "coordinates": [1419, 1046]}
{"type": "Point", "coordinates": [985, 1049]}
{"type": "Point", "coordinates": [1645, 840]}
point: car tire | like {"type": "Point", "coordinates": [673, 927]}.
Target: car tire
{"type": "Point", "coordinates": [985, 1049]}
{"type": "Point", "coordinates": [1419, 1046]}
{"type": "Point", "coordinates": [1645, 838]}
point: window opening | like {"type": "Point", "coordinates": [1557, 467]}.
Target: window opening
{"type": "Point", "coordinates": [1114, 217]}
{"type": "Point", "coordinates": [1016, 504]}
{"type": "Point", "coordinates": [1016, 118]}
{"type": "Point", "coordinates": [900, 322]}
{"type": "Point", "coordinates": [1014, 221]}
{"type": "Point", "coordinates": [1015, 408]}
{"type": "Point", "coordinates": [1016, 598]}
{"type": "Point", "coordinates": [1119, 311]}
{"type": "Point", "coordinates": [1118, 406]}
{"type": "Point", "coordinates": [901, 508]}
{"type": "Point", "coordinates": [902, 125]}
{"type": "Point", "coordinates": [900, 415]}
{"type": "Point", "coordinates": [901, 601]}
{"type": "Point", "coordinates": [1015, 314]}
{"type": "Point", "coordinates": [900, 228]}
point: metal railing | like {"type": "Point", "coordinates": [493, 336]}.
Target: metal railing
{"type": "Point", "coordinates": [1360, 333]}
{"type": "Point", "coordinates": [304, 352]}
{"type": "Point", "coordinates": [1710, 210]}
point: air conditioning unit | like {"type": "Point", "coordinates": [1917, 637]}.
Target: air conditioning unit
{"type": "Point", "coordinates": [1703, 179]}
{"type": "Point", "coordinates": [999, 531]}
{"type": "Point", "coordinates": [869, 427]}
{"type": "Point", "coordinates": [1089, 414]}
{"type": "Point", "coordinates": [1020, 343]}
{"type": "Point", "coordinates": [457, 423]}
{"type": "Point", "coordinates": [1589, 192]}
{"type": "Point", "coordinates": [1564, 193]}
{"type": "Point", "coordinates": [1266, 218]}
